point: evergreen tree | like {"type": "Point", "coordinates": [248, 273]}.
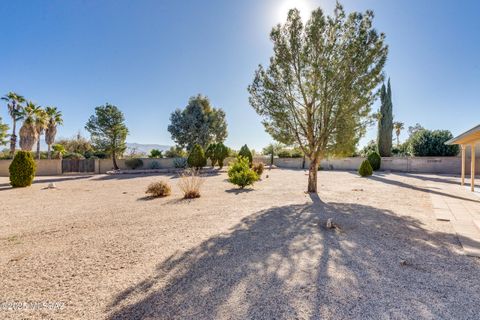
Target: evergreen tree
{"type": "Point", "coordinates": [199, 123]}
{"type": "Point", "coordinates": [385, 122]}
{"type": "Point", "coordinates": [246, 153]}
{"type": "Point", "coordinates": [108, 131]}
{"type": "Point", "coordinates": [320, 84]}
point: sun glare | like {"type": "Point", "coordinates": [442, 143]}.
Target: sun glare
{"type": "Point", "coordinates": [305, 7]}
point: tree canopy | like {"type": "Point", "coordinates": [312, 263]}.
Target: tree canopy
{"type": "Point", "coordinates": [199, 123]}
{"type": "Point", "coordinates": [320, 85]}
{"type": "Point", "coordinates": [108, 130]}
{"type": "Point", "coordinates": [3, 133]}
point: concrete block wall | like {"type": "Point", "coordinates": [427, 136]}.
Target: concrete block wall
{"type": "Point", "coordinates": [44, 167]}
{"type": "Point", "coordinates": [442, 165]}
{"type": "Point", "coordinates": [105, 165]}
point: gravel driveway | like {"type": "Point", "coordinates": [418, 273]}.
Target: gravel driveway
{"type": "Point", "coordinates": [96, 248]}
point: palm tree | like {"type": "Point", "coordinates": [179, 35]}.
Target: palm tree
{"type": "Point", "coordinates": [28, 131]}
{"type": "Point", "coordinates": [41, 121]}
{"type": "Point", "coordinates": [398, 127]}
{"type": "Point", "coordinates": [54, 118]}
{"type": "Point", "coordinates": [14, 102]}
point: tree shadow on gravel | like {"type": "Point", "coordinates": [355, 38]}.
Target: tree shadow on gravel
{"type": "Point", "coordinates": [236, 191]}
{"type": "Point", "coordinates": [283, 263]}
{"type": "Point", "coordinates": [382, 178]}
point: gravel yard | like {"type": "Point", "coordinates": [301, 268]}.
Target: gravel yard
{"type": "Point", "coordinates": [101, 250]}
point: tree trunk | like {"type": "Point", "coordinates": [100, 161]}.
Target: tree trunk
{"type": "Point", "coordinates": [115, 166]}
{"type": "Point", "coordinates": [271, 159]}
{"type": "Point", "coordinates": [38, 148]}
{"type": "Point", "coordinates": [312, 175]}
{"type": "Point", "coordinates": [13, 138]}
{"type": "Point", "coordinates": [49, 152]}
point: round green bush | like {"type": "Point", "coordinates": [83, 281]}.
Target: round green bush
{"type": "Point", "coordinates": [22, 169]}
{"type": "Point", "coordinates": [375, 160]}
{"type": "Point", "coordinates": [246, 153]}
{"type": "Point", "coordinates": [134, 163]}
{"type": "Point", "coordinates": [221, 153]}
{"type": "Point", "coordinates": [427, 143]}
{"type": "Point", "coordinates": [365, 169]}
{"type": "Point", "coordinates": [240, 173]}
{"type": "Point", "coordinates": [196, 158]}
{"type": "Point", "coordinates": [210, 153]}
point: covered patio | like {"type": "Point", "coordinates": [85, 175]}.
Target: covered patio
{"type": "Point", "coordinates": [468, 140]}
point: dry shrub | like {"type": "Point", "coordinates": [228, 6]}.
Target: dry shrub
{"type": "Point", "coordinates": [190, 183]}
{"type": "Point", "coordinates": [159, 189]}
{"type": "Point", "coordinates": [258, 168]}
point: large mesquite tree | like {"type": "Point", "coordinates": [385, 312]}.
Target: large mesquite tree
{"type": "Point", "coordinates": [385, 122]}
{"type": "Point", "coordinates": [322, 79]}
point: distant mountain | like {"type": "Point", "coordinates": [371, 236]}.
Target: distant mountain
{"type": "Point", "coordinates": [145, 148]}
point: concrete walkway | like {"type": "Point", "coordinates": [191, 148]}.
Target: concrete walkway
{"type": "Point", "coordinates": [458, 205]}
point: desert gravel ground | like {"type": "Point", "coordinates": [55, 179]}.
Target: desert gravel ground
{"type": "Point", "coordinates": [101, 250]}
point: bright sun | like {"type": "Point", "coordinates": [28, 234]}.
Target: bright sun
{"type": "Point", "coordinates": [305, 7]}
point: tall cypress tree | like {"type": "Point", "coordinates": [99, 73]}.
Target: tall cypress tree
{"type": "Point", "coordinates": [385, 122]}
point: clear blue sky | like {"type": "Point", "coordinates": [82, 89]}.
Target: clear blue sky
{"type": "Point", "coordinates": [149, 57]}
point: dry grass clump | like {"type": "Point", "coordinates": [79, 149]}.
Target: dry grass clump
{"type": "Point", "coordinates": [159, 189]}
{"type": "Point", "coordinates": [190, 183]}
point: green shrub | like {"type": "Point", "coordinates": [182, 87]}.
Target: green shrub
{"type": "Point", "coordinates": [297, 153]}
{"type": "Point", "coordinates": [246, 153]}
{"type": "Point", "coordinates": [427, 143]}
{"type": "Point", "coordinates": [290, 153]}
{"type": "Point", "coordinates": [365, 169]}
{"type": "Point", "coordinates": [159, 189]}
{"type": "Point", "coordinates": [155, 153]}
{"type": "Point", "coordinates": [180, 163]}
{"type": "Point", "coordinates": [175, 152]}
{"type": "Point", "coordinates": [196, 158]}
{"type": "Point", "coordinates": [370, 147]}
{"type": "Point", "coordinates": [284, 153]}
{"type": "Point", "coordinates": [22, 169]}
{"type": "Point", "coordinates": [96, 155]}
{"type": "Point", "coordinates": [221, 153]}
{"type": "Point", "coordinates": [375, 160]}
{"type": "Point", "coordinates": [240, 173]}
{"type": "Point", "coordinates": [154, 165]}
{"type": "Point", "coordinates": [258, 168]}
{"type": "Point", "coordinates": [134, 163]}
{"type": "Point", "coordinates": [210, 153]}
{"type": "Point", "coordinates": [73, 155]}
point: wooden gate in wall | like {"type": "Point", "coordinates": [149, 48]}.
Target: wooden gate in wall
{"type": "Point", "coordinates": [78, 165]}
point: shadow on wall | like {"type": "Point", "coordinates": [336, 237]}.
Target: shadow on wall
{"type": "Point", "coordinates": [281, 264]}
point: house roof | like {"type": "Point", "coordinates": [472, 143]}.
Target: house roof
{"type": "Point", "coordinates": [470, 136]}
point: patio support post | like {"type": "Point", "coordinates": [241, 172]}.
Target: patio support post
{"type": "Point", "coordinates": [463, 164]}
{"type": "Point", "coordinates": [472, 172]}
